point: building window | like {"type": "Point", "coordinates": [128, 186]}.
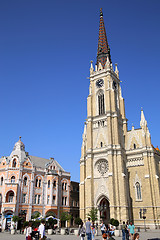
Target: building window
{"type": "Point", "coordinates": [14, 163]}
{"type": "Point", "coordinates": [54, 184]}
{"type": "Point", "coordinates": [39, 199]}
{"type": "Point", "coordinates": [101, 108]}
{"type": "Point", "coordinates": [25, 181]}
{"type": "Point", "coordinates": [13, 179]}
{"type": "Point", "coordinates": [0, 198]}
{"type": "Point", "coordinates": [134, 146]}
{"type": "Point", "coordinates": [49, 183]}
{"type": "Point", "coordinates": [24, 198]}
{"type": "Point", "coordinates": [39, 183]}
{"type": "Point", "coordinates": [64, 201]}
{"type": "Point", "coordinates": [101, 144]}
{"type": "Point", "coordinates": [62, 186]}
{"type": "Point", "coordinates": [36, 184]}
{"type": "Point", "coordinates": [138, 191]}
{"type": "Point", "coordinates": [1, 181]}
{"type": "Point", "coordinates": [65, 186]}
{"type": "Point", "coordinates": [10, 197]}
{"type": "Point", "coordinates": [35, 199]}
{"type": "Point", "coordinates": [48, 198]}
{"type": "Point", "coordinates": [54, 200]}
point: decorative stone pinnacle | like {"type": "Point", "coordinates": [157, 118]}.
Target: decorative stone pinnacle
{"type": "Point", "coordinates": [20, 138]}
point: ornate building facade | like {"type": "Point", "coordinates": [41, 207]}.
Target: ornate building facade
{"type": "Point", "coordinates": [119, 169]}
{"type": "Point", "coordinates": [30, 184]}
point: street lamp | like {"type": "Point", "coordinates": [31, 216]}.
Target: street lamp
{"type": "Point", "coordinates": [142, 213]}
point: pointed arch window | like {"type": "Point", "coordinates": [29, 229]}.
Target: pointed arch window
{"type": "Point", "coordinates": [1, 181]}
{"type": "Point", "coordinates": [101, 107]}
{"type": "Point", "coordinates": [25, 181]}
{"type": "Point", "coordinates": [14, 163]}
{"type": "Point", "coordinates": [138, 191]}
{"type": "Point", "coordinates": [49, 183]}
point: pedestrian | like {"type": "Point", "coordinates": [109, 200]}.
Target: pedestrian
{"type": "Point", "coordinates": [93, 231]}
{"type": "Point", "coordinates": [110, 236]}
{"type": "Point", "coordinates": [42, 230]}
{"type": "Point", "coordinates": [131, 228]}
{"type": "Point", "coordinates": [104, 236]}
{"type": "Point", "coordinates": [123, 230]}
{"type": "Point", "coordinates": [88, 229]}
{"type": "Point", "coordinates": [29, 231]}
{"type": "Point", "coordinates": [136, 236]}
{"type": "Point", "coordinates": [127, 231]}
{"type": "Point", "coordinates": [81, 231]}
{"type": "Point", "coordinates": [103, 227]}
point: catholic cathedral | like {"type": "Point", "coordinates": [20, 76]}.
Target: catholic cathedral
{"type": "Point", "coordinates": [119, 168]}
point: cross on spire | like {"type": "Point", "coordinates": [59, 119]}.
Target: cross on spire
{"type": "Point", "coordinates": [103, 48]}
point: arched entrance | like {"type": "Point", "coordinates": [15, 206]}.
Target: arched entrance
{"type": "Point", "coordinates": [7, 218]}
{"type": "Point", "coordinates": [104, 210]}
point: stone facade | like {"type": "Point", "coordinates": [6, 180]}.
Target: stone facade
{"type": "Point", "coordinates": [31, 184]}
{"type": "Point", "coordinates": [119, 169]}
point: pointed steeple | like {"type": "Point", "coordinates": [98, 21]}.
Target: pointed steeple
{"type": "Point", "coordinates": [143, 121]}
{"type": "Point", "coordinates": [103, 47]}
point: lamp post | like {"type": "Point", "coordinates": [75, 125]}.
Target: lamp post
{"type": "Point", "coordinates": [142, 213]}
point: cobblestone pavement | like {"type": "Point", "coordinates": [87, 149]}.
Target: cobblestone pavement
{"type": "Point", "coordinates": [143, 236]}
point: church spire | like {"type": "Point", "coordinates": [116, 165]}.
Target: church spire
{"type": "Point", "coordinates": [103, 47]}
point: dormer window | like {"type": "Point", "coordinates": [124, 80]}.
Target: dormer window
{"type": "Point", "coordinates": [134, 146]}
{"type": "Point", "coordinates": [13, 179]}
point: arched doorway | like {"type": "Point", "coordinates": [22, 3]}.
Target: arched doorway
{"type": "Point", "coordinates": [7, 217]}
{"type": "Point", "coordinates": [104, 210]}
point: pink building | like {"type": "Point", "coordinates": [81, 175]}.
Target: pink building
{"type": "Point", "coordinates": [31, 184]}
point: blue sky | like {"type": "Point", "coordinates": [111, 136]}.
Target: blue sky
{"type": "Point", "coordinates": [45, 52]}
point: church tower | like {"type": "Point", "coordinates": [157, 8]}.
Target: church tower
{"type": "Point", "coordinates": [103, 174]}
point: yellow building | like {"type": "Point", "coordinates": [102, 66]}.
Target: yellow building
{"type": "Point", "coordinates": [119, 169]}
{"type": "Point", "coordinates": [30, 184]}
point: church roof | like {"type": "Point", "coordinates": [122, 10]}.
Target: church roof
{"type": "Point", "coordinates": [103, 47]}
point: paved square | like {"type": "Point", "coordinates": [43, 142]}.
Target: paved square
{"type": "Point", "coordinates": [143, 236]}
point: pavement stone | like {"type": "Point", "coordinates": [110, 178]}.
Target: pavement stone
{"type": "Point", "coordinates": [150, 234]}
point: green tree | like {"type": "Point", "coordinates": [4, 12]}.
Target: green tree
{"type": "Point", "coordinates": [15, 219]}
{"type": "Point", "coordinates": [93, 214]}
{"type": "Point", "coordinates": [115, 223]}
{"type": "Point", "coordinates": [64, 216]}
{"type": "Point", "coordinates": [78, 221]}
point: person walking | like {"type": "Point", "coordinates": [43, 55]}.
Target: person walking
{"type": "Point", "coordinates": [41, 230]}
{"type": "Point", "coordinates": [123, 230]}
{"type": "Point", "coordinates": [93, 231]}
{"type": "Point", "coordinates": [29, 231]}
{"type": "Point", "coordinates": [88, 229]}
{"type": "Point", "coordinates": [131, 228]}
{"type": "Point", "coordinates": [81, 231]}
{"type": "Point", "coordinates": [136, 236]}
{"type": "Point", "coordinates": [103, 227]}
{"type": "Point", "coordinates": [127, 231]}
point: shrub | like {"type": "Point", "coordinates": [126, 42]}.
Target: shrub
{"type": "Point", "coordinates": [78, 221]}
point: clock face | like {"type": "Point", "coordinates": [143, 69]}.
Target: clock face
{"type": "Point", "coordinates": [99, 83]}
